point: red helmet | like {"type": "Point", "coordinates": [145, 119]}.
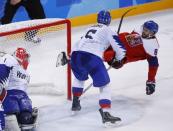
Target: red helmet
{"type": "Point", "coordinates": [22, 56]}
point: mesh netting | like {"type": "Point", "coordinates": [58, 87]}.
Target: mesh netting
{"type": "Point", "coordinates": [44, 39]}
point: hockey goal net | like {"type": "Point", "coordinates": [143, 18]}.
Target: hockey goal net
{"type": "Point", "coordinates": [44, 39]}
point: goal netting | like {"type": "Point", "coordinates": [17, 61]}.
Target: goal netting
{"type": "Point", "coordinates": [44, 39]}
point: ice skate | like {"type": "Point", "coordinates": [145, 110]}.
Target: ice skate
{"type": "Point", "coordinates": [76, 107]}
{"type": "Point", "coordinates": [61, 59]}
{"type": "Point", "coordinates": [109, 120]}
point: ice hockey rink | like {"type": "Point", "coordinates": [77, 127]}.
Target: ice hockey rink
{"type": "Point", "coordinates": [138, 111]}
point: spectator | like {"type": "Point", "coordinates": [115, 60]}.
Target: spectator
{"type": "Point", "coordinates": [34, 9]}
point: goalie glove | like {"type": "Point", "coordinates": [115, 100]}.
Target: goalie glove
{"type": "Point", "coordinates": [117, 63]}
{"type": "Point", "coordinates": [150, 87]}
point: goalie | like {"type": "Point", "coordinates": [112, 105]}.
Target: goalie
{"type": "Point", "coordinates": [15, 79]}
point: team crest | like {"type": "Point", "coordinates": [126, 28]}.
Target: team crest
{"type": "Point", "coordinates": [133, 39]}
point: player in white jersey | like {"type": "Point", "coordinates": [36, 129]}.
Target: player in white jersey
{"type": "Point", "coordinates": [2, 97]}
{"type": "Point", "coordinates": [86, 59]}
{"type": "Point", "coordinates": [15, 80]}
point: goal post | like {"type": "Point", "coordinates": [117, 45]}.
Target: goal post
{"type": "Point", "coordinates": [54, 35]}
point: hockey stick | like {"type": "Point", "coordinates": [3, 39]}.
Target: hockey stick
{"type": "Point", "coordinates": [88, 87]}
{"type": "Point", "coordinates": [121, 20]}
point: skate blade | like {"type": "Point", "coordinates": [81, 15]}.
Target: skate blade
{"type": "Point", "coordinates": [109, 124]}
{"type": "Point", "coordinates": [74, 113]}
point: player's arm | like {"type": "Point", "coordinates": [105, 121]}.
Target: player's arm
{"type": "Point", "coordinates": [109, 54]}
{"type": "Point", "coordinates": [153, 66]}
{"type": "Point", "coordinates": [152, 71]}
{"type": "Point", "coordinates": [4, 71]}
{"type": "Point", "coordinates": [151, 47]}
{"type": "Point", "coordinates": [119, 59]}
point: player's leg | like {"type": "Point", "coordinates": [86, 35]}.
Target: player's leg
{"type": "Point", "coordinates": [11, 123]}
{"type": "Point", "coordinates": [9, 12]}
{"type": "Point", "coordinates": [101, 80]}
{"type": "Point", "coordinates": [77, 89]}
{"type": "Point", "coordinates": [11, 108]}
{"type": "Point", "coordinates": [34, 9]}
{"type": "Point", "coordinates": [25, 118]}
{"type": "Point", "coordinates": [105, 104]}
{"type": "Point", "coordinates": [81, 75]}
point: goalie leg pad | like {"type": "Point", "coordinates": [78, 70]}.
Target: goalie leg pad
{"type": "Point", "coordinates": [27, 127]}
{"type": "Point", "coordinates": [30, 125]}
{"type": "Point", "coordinates": [11, 123]}
{"type": "Point", "coordinates": [25, 117]}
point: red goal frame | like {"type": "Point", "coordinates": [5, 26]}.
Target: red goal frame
{"type": "Point", "coordinates": [68, 50]}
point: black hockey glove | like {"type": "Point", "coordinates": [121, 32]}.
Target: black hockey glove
{"type": "Point", "coordinates": [150, 87]}
{"type": "Point", "coordinates": [116, 63]}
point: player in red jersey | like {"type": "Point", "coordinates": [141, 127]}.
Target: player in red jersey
{"type": "Point", "coordinates": [140, 46]}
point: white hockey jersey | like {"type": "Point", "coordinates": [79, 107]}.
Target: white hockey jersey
{"type": "Point", "coordinates": [18, 77]}
{"type": "Point", "coordinates": [97, 39]}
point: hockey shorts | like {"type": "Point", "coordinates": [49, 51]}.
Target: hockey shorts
{"type": "Point", "coordinates": [84, 64]}
{"type": "Point", "coordinates": [16, 101]}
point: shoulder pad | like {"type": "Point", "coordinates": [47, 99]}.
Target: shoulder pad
{"type": "Point", "coordinates": [9, 60]}
{"type": "Point", "coordinates": [151, 46]}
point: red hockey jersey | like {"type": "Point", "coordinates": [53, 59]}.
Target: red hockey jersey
{"type": "Point", "coordinates": [138, 48]}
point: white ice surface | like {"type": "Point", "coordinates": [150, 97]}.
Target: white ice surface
{"type": "Point", "coordinates": [138, 111]}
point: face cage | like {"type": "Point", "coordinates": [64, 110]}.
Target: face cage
{"type": "Point", "coordinates": [27, 58]}
{"type": "Point", "coordinates": [22, 60]}
{"type": "Point", "coordinates": [25, 62]}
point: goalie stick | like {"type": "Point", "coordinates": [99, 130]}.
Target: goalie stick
{"type": "Point", "coordinates": [62, 58]}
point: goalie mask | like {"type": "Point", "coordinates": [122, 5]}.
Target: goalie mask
{"type": "Point", "coordinates": [22, 57]}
